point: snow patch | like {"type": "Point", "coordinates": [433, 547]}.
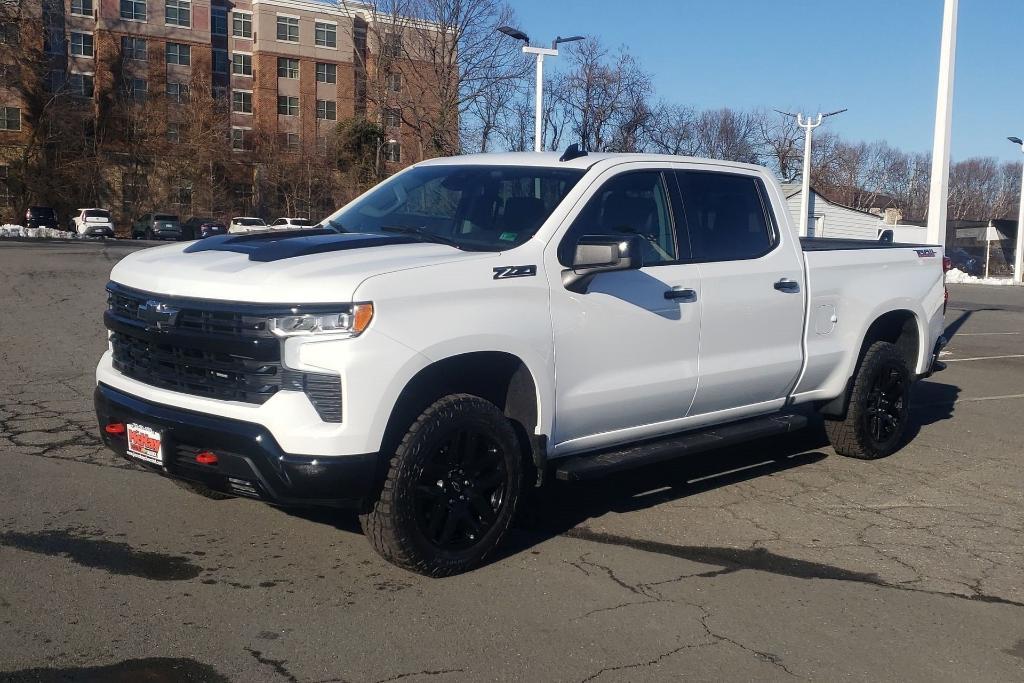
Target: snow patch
{"type": "Point", "coordinates": [10, 230]}
{"type": "Point", "coordinates": [959, 277]}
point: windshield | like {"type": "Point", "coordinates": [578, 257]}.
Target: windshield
{"type": "Point", "coordinates": [164, 217]}
{"type": "Point", "coordinates": [301, 221]}
{"type": "Point", "coordinates": [488, 208]}
{"type": "Point", "coordinates": [249, 221]}
{"type": "Point", "coordinates": [42, 212]}
{"type": "Point", "coordinates": [96, 213]}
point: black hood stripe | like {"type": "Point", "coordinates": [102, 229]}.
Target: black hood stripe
{"type": "Point", "coordinates": [275, 246]}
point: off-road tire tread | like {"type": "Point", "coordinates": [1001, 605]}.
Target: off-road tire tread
{"type": "Point", "coordinates": [845, 435]}
{"type": "Point", "coordinates": [382, 528]}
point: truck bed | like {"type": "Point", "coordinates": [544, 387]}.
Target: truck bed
{"type": "Point", "coordinates": [827, 244]}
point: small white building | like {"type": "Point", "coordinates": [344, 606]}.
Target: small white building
{"type": "Point", "coordinates": [828, 219]}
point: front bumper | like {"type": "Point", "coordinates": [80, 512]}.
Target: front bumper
{"type": "Point", "coordinates": [249, 461]}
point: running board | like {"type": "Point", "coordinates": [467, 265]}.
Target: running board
{"type": "Point", "coordinates": [592, 466]}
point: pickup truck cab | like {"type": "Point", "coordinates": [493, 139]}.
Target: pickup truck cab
{"type": "Point", "coordinates": [475, 325]}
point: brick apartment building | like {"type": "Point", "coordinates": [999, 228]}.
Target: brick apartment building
{"type": "Point", "coordinates": [285, 72]}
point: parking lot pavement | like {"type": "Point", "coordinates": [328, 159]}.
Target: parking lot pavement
{"type": "Point", "coordinates": [774, 560]}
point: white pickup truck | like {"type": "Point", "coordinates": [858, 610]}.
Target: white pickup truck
{"type": "Point", "coordinates": [472, 325]}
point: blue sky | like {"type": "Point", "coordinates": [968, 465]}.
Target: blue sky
{"type": "Point", "coordinates": [879, 58]}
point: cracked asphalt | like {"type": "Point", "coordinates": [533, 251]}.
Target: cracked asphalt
{"type": "Point", "coordinates": [772, 561]}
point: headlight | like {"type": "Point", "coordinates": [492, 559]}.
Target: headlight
{"type": "Point", "coordinates": [348, 323]}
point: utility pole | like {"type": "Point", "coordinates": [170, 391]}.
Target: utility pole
{"type": "Point", "coordinates": [808, 124]}
{"type": "Point", "coordinates": [541, 53]}
{"type": "Point", "coordinates": [938, 195]}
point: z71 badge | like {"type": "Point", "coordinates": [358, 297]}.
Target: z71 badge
{"type": "Point", "coordinates": [505, 272]}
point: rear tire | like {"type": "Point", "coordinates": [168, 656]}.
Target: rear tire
{"type": "Point", "coordinates": [878, 411]}
{"type": "Point", "coordinates": [451, 490]}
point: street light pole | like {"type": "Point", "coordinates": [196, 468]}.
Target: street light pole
{"type": "Point", "coordinates": [808, 124]}
{"type": "Point", "coordinates": [1018, 249]}
{"type": "Point", "coordinates": [938, 194]}
{"type": "Point", "coordinates": [541, 53]}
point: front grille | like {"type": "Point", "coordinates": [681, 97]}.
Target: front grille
{"type": "Point", "coordinates": [209, 349]}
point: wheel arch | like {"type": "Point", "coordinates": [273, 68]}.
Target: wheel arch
{"type": "Point", "coordinates": [900, 327]}
{"type": "Point", "coordinates": [500, 377]}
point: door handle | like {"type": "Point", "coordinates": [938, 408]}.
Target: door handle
{"type": "Point", "coordinates": [787, 285]}
{"type": "Point", "coordinates": [686, 296]}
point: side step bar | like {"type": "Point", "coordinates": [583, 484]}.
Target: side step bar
{"type": "Point", "coordinates": [592, 466]}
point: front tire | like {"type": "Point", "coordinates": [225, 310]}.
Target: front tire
{"type": "Point", "coordinates": [451, 490]}
{"type": "Point", "coordinates": [877, 415]}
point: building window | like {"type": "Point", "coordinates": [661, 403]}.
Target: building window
{"type": "Point", "coordinates": [241, 102]}
{"type": "Point", "coordinates": [326, 73]}
{"type": "Point", "coordinates": [327, 110]}
{"type": "Point", "coordinates": [179, 53]}
{"type": "Point", "coordinates": [134, 10]}
{"type": "Point", "coordinates": [220, 61]}
{"type": "Point", "coordinates": [81, 44]}
{"type": "Point", "coordinates": [287, 67]}
{"type": "Point", "coordinates": [288, 29]}
{"type": "Point", "coordinates": [238, 139]}
{"type": "Point", "coordinates": [392, 45]}
{"type": "Point", "coordinates": [392, 118]}
{"type": "Point", "coordinates": [10, 118]}
{"type": "Point", "coordinates": [135, 88]}
{"type": "Point", "coordinates": [218, 21]}
{"type": "Point", "coordinates": [54, 80]}
{"type": "Point", "coordinates": [80, 85]}
{"type": "Point", "coordinates": [174, 132]}
{"type": "Point", "coordinates": [322, 146]}
{"type": "Point", "coordinates": [9, 34]}
{"type": "Point", "coordinates": [393, 152]}
{"type": "Point", "coordinates": [241, 24]}
{"type": "Point", "coordinates": [287, 105]}
{"type": "Point", "coordinates": [177, 92]}
{"type": "Point", "coordinates": [178, 12]}
{"type": "Point", "coordinates": [82, 8]}
{"type": "Point", "coordinates": [290, 142]}
{"type": "Point", "coordinates": [5, 189]}
{"type": "Point", "coordinates": [325, 35]}
{"type": "Point", "coordinates": [395, 82]}
{"type": "Point", "coordinates": [133, 48]}
{"type": "Point", "coordinates": [241, 64]}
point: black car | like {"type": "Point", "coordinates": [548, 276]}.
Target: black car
{"type": "Point", "coordinates": [966, 263]}
{"type": "Point", "coordinates": [40, 217]}
{"type": "Point", "coordinates": [197, 228]}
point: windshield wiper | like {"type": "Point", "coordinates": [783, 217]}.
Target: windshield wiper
{"type": "Point", "coordinates": [423, 234]}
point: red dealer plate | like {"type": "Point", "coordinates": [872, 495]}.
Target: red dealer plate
{"type": "Point", "coordinates": [144, 444]}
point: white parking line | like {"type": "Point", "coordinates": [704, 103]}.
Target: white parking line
{"type": "Point", "coordinates": [983, 334]}
{"type": "Point", "coordinates": [974, 400]}
{"type": "Point", "coordinates": [964, 360]}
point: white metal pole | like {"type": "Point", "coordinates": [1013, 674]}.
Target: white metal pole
{"type": "Point", "coordinates": [805, 193]}
{"type": "Point", "coordinates": [939, 192]}
{"type": "Point", "coordinates": [1018, 250]}
{"type": "Point", "coordinates": [541, 52]}
{"type": "Point", "coordinates": [538, 144]}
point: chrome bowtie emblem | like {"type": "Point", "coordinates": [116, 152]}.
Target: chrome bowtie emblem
{"type": "Point", "coordinates": [158, 315]}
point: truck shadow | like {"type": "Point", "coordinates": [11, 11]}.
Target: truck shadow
{"type": "Point", "coordinates": [559, 507]}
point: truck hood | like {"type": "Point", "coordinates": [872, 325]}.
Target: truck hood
{"type": "Point", "coordinates": [308, 266]}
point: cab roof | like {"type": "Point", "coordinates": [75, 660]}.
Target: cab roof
{"type": "Point", "coordinates": [552, 160]}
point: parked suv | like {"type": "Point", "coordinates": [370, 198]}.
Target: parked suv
{"type": "Point", "coordinates": [40, 217]}
{"type": "Point", "coordinates": [246, 224]}
{"type": "Point", "coordinates": [287, 223]}
{"type": "Point", "coordinates": [156, 226]}
{"type": "Point", "coordinates": [93, 223]}
{"type": "Point", "coordinates": [197, 228]}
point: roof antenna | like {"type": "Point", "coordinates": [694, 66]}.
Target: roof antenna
{"type": "Point", "coordinates": [573, 151]}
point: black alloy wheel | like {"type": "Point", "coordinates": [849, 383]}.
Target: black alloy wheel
{"type": "Point", "coordinates": [886, 406]}
{"type": "Point", "coordinates": [461, 490]}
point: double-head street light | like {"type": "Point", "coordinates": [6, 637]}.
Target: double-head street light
{"type": "Point", "coordinates": [541, 53]}
{"type": "Point", "coordinates": [1018, 249]}
{"type": "Point", "coordinates": [808, 124]}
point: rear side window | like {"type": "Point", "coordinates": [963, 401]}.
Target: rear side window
{"type": "Point", "coordinates": [725, 216]}
{"type": "Point", "coordinates": [164, 217]}
{"type": "Point", "coordinates": [632, 203]}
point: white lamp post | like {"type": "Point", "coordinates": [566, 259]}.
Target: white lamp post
{"type": "Point", "coordinates": [938, 195]}
{"type": "Point", "coordinates": [808, 124]}
{"type": "Point", "coordinates": [541, 53]}
{"type": "Point", "coordinates": [1018, 249]}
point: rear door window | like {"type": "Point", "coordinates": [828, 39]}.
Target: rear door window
{"type": "Point", "coordinates": [725, 216]}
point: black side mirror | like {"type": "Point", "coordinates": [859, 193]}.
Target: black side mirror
{"type": "Point", "coordinates": [601, 254]}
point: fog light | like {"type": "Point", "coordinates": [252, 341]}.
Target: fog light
{"type": "Point", "coordinates": [115, 428]}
